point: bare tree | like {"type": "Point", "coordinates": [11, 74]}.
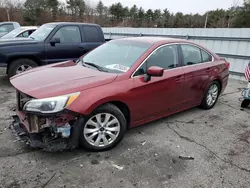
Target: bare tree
{"type": "Point", "coordinates": [232, 11]}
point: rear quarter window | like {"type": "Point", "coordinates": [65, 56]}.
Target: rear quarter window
{"type": "Point", "coordinates": [205, 56]}
{"type": "Point", "coordinates": [91, 34]}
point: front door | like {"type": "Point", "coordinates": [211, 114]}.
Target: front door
{"type": "Point", "coordinates": [198, 67]}
{"type": "Point", "coordinates": [69, 47]}
{"type": "Point", "coordinates": [160, 95]}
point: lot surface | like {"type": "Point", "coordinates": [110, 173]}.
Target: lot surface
{"type": "Point", "coordinates": [148, 156]}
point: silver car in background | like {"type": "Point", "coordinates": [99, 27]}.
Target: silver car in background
{"type": "Point", "coordinates": [6, 27]}
{"type": "Point", "coordinates": [23, 31]}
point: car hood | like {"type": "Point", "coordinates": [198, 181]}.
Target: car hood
{"type": "Point", "coordinates": [16, 41]}
{"type": "Point", "coordinates": [59, 79]}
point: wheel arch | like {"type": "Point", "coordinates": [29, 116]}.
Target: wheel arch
{"type": "Point", "coordinates": [119, 104]}
{"type": "Point", "coordinates": [219, 82]}
{"type": "Point", "coordinates": [13, 58]}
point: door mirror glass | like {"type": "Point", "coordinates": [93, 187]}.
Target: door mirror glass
{"type": "Point", "coordinates": [155, 71]}
{"type": "Point", "coordinates": [54, 40]}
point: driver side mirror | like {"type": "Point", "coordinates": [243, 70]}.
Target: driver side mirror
{"type": "Point", "coordinates": [54, 41]}
{"type": "Point", "coordinates": [153, 71]}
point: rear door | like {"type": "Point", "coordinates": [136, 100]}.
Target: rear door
{"type": "Point", "coordinates": [69, 46]}
{"type": "Point", "coordinates": [161, 95]}
{"type": "Point", "coordinates": [198, 68]}
{"type": "Point", "coordinates": [92, 37]}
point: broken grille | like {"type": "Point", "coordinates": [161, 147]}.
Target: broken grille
{"type": "Point", "coordinates": [21, 100]}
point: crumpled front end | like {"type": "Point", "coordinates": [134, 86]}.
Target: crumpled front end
{"type": "Point", "coordinates": [51, 132]}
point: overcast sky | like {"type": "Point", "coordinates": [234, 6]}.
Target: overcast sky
{"type": "Point", "coordinates": [185, 6]}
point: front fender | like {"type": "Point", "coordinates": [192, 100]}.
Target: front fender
{"type": "Point", "coordinates": [90, 99]}
{"type": "Point", "coordinates": [102, 102]}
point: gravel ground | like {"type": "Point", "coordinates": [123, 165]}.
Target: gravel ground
{"type": "Point", "coordinates": [148, 157]}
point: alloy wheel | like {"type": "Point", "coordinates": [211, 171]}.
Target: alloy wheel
{"type": "Point", "coordinates": [101, 130]}
{"type": "Point", "coordinates": [212, 95]}
{"type": "Point", "coordinates": [23, 68]}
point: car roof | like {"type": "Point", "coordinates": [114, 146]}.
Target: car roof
{"type": "Point", "coordinates": [153, 40]}
{"type": "Point", "coordinates": [16, 24]}
{"type": "Point", "coordinates": [72, 23]}
{"type": "Point", "coordinates": [8, 22]}
{"type": "Point", "coordinates": [29, 27]}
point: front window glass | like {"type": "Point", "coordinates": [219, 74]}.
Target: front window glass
{"type": "Point", "coordinates": [117, 55]}
{"type": "Point", "coordinates": [25, 34]}
{"type": "Point", "coordinates": [42, 32]}
{"type": "Point", "coordinates": [68, 34]}
{"type": "Point", "coordinates": [165, 57]}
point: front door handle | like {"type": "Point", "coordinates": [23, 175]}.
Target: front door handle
{"type": "Point", "coordinates": [178, 79]}
{"type": "Point", "coordinates": [81, 46]}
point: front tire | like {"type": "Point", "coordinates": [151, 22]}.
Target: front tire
{"type": "Point", "coordinates": [211, 96]}
{"type": "Point", "coordinates": [20, 65]}
{"type": "Point", "coordinates": [103, 129]}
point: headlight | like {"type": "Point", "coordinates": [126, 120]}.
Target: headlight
{"type": "Point", "coordinates": [50, 105]}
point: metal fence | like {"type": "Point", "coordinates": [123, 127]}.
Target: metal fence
{"type": "Point", "coordinates": [233, 44]}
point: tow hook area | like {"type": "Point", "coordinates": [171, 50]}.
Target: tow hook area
{"type": "Point", "coordinates": [51, 138]}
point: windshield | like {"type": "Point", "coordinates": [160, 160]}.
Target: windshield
{"type": "Point", "coordinates": [117, 55]}
{"type": "Point", "coordinates": [42, 32]}
{"type": "Point", "coordinates": [13, 33]}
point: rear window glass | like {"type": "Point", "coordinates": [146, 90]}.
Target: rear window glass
{"type": "Point", "coordinates": [205, 56]}
{"type": "Point", "coordinates": [6, 28]}
{"type": "Point", "coordinates": [91, 34]}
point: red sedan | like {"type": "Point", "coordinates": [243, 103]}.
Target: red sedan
{"type": "Point", "coordinates": [121, 84]}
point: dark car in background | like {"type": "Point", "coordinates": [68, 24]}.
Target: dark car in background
{"type": "Point", "coordinates": [50, 43]}
{"type": "Point", "coordinates": [6, 27]}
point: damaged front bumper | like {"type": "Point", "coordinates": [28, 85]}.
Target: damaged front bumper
{"type": "Point", "coordinates": [50, 133]}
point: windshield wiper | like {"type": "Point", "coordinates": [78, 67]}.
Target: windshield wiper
{"type": "Point", "coordinates": [32, 38]}
{"type": "Point", "coordinates": [96, 66]}
{"type": "Point", "coordinates": [77, 60]}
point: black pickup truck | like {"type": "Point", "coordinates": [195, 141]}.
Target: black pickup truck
{"type": "Point", "coordinates": [51, 43]}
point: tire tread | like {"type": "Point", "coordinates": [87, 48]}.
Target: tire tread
{"type": "Point", "coordinates": [204, 101]}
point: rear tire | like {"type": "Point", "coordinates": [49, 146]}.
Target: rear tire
{"type": "Point", "coordinates": [211, 96]}
{"type": "Point", "coordinates": [18, 65]}
{"type": "Point", "coordinates": [104, 134]}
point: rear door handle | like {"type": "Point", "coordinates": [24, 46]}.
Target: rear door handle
{"type": "Point", "coordinates": [208, 69]}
